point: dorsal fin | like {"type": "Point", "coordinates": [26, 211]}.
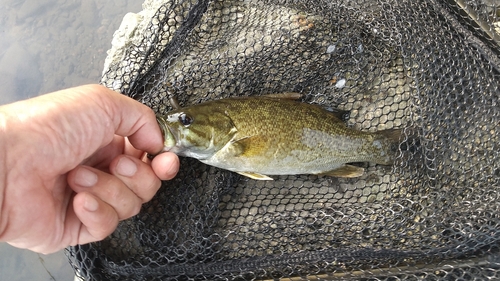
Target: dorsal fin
{"type": "Point", "coordinates": [284, 95]}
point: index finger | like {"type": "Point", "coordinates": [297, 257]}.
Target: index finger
{"type": "Point", "coordinates": [128, 118]}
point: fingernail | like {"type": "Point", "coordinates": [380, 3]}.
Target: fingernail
{"type": "Point", "coordinates": [85, 177]}
{"type": "Point", "coordinates": [126, 167]}
{"type": "Point", "coordinates": [90, 204]}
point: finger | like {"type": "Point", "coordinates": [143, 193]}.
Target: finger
{"type": "Point", "coordinates": [136, 175]}
{"type": "Point", "coordinates": [98, 218]}
{"type": "Point", "coordinates": [165, 165]}
{"type": "Point", "coordinates": [107, 188]}
{"type": "Point", "coordinates": [129, 149]}
{"type": "Point", "coordinates": [103, 157]}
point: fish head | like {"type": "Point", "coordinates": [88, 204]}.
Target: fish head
{"type": "Point", "coordinates": [194, 132]}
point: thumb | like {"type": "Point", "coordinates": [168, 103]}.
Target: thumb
{"type": "Point", "coordinates": [128, 117]}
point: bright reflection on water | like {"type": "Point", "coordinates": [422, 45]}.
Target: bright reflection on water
{"type": "Point", "coordinates": [48, 45]}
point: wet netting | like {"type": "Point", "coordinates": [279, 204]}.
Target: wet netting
{"type": "Point", "coordinates": [428, 67]}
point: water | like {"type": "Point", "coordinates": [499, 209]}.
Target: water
{"type": "Point", "coordinates": [48, 45]}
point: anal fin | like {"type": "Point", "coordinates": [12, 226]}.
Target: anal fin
{"type": "Point", "coordinates": [255, 176]}
{"type": "Point", "coordinates": [346, 171]}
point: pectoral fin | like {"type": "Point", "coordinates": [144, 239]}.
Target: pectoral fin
{"type": "Point", "coordinates": [346, 171]}
{"type": "Point", "coordinates": [249, 146]}
{"type": "Point", "coordinates": [256, 176]}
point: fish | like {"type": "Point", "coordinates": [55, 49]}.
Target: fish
{"type": "Point", "coordinates": [262, 136]}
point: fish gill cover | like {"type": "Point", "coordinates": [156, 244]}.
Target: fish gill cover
{"type": "Point", "coordinates": [430, 68]}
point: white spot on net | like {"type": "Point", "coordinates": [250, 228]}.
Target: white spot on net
{"type": "Point", "coordinates": [341, 83]}
{"type": "Point", "coordinates": [117, 85]}
{"type": "Point", "coordinates": [361, 48]}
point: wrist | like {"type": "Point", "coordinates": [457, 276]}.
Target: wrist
{"type": "Point", "coordinates": [15, 145]}
{"type": "Point", "coordinates": [3, 169]}
{"type": "Point", "coordinates": [12, 162]}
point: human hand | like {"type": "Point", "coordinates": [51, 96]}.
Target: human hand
{"type": "Point", "coordinates": [71, 166]}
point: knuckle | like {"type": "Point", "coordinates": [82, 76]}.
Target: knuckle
{"type": "Point", "coordinates": [132, 210]}
{"type": "Point", "coordinates": [112, 190]}
{"type": "Point", "coordinates": [150, 190]}
{"type": "Point", "coordinates": [105, 228]}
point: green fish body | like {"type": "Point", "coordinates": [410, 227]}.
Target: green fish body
{"type": "Point", "coordinates": [260, 136]}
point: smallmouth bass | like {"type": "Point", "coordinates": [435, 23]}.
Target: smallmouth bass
{"type": "Point", "coordinates": [270, 135]}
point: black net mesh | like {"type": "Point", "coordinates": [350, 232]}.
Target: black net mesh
{"type": "Point", "coordinates": [429, 67]}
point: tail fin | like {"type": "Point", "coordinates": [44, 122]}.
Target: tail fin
{"type": "Point", "coordinates": [387, 142]}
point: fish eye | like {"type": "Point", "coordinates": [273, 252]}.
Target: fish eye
{"type": "Point", "coordinates": [185, 119]}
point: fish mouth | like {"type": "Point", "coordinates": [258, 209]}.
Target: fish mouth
{"type": "Point", "coordinates": [169, 140]}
